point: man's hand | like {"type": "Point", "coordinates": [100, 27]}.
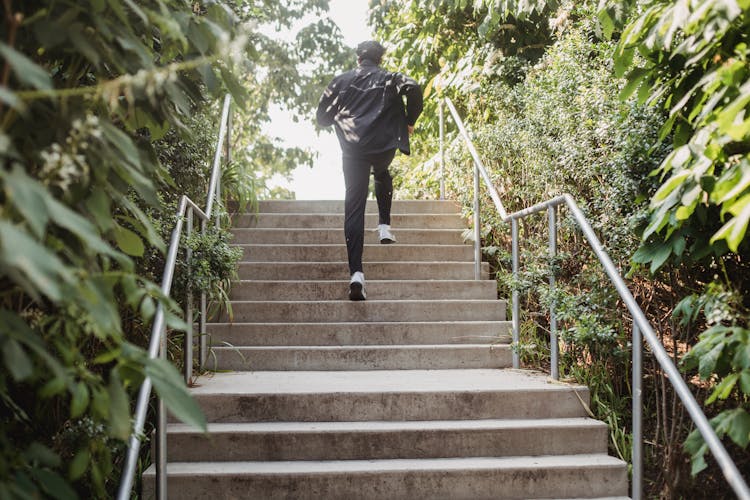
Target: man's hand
{"type": "Point", "coordinates": [410, 128]}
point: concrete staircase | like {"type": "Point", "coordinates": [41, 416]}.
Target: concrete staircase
{"type": "Point", "coordinates": [407, 395]}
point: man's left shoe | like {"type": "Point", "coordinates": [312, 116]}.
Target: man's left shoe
{"type": "Point", "coordinates": [386, 236]}
{"type": "Point", "coordinates": [357, 287]}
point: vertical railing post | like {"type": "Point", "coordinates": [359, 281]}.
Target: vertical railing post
{"type": "Point", "coordinates": [554, 347]}
{"type": "Point", "coordinates": [477, 228]}
{"type": "Point", "coordinates": [202, 325]}
{"type": "Point", "coordinates": [637, 454]}
{"type": "Point", "coordinates": [161, 432]}
{"type": "Point", "coordinates": [188, 349]}
{"type": "Point", "coordinates": [515, 298]}
{"type": "Point", "coordinates": [441, 113]}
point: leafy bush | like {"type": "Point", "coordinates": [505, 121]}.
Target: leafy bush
{"type": "Point", "coordinates": [698, 217]}
{"type": "Point", "coordinates": [107, 116]}
{"type": "Point", "coordinates": [87, 88]}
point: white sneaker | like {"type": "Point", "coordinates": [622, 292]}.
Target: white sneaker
{"type": "Point", "coordinates": [357, 287]}
{"type": "Point", "coordinates": [386, 236]}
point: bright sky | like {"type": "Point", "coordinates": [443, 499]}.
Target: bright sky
{"type": "Point", "coordinates": [325, 180]}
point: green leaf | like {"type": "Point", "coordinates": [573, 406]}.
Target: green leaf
{"type": "Point", "coordinates": [123, 143]}
{"type": "Point", "coordinates": [32, 265]}
{"type": "Point", "coordinates": [745, 378]}
{"type": "Point", "coordinates": [634, 79]}
{"type": "Point", "coordinates": [724, 388]}
{"type": "Point", "coordinates": [148, 308]}
{"type": "Point", "coordinates": [708, 362]}
{"type": "Point", "coordinates": [171, 388]}
{"type": "Point", "coordinates": [25, 69]}
{"type": "Point", "coordinates": [734, 230]}
{"type": "Point", "coordinates": [52, 388]}
{"type": "Point", "coordinates": [129, 242]}
{"type": "Point", "coordinates": [673, 183]}
{"type": "Point", "coordinates": [732, 182]}
{"type": "Point", "coordinates": [655, 253]}
{"type": "Point", "coordinates": [39, 206]}
{"type": "Point", "coordinates": [137, 11]}
{"type": "Point", "coordinates": [42, 455]}
{"type": "Point", "coordinates": [29, 199]}
{"type": "Point", "coordinates": [79, 464]}
{"type": "Point", "coordinates": [99, 206]}
{"type": "Point", "coordinates": [697, 447]}
{"type": "Point", "coordinates": [100, 405]}
{"type": "Point", "coordinates": [738, 427]}
{"type": "Point", "coordinates": [11, 99]}
{"type": "Point", "coordinates": [80, 400]}
{"type": "Point", "coordinates": [54, 485]}
{"type": "Point", "coordinates": [119, 411]}
{"type": "Point", "coordinates": [14, 326]}
{"type": "Point", "coordinates": [98, 300]}
{"type": "Point", "coordinates": [17, 362]}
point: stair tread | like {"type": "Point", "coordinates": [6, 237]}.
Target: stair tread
{"type": "Point", "coordinates": [384, 425]}
{"type": "Point", "coordinates": [374, 323]}
{"type": "Point", "coordinates": [337, 467]}
{"type": "Point", "coordinates": [366, 302]}
{"type": "Point", "coordinates": [379, 381]}
{"type": "Point", "coordinates": [377, 347]}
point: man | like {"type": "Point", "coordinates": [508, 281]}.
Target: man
{"type": "Point", "coordinates": [366, 107]}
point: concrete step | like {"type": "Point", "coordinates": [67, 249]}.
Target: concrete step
{"type": "Point", "coordinates": [472, 478]}
{"type": "Point", "coordinates": [374, 333]}
{"type": "Point", "coordinates": [307, 271]}
{"type": "Point", "coordinates": [376, 290]}
{"type": "Point", "coordinates": [336, 253]}
{"type": "Point", "coordinates": [340, 396]}
{"type": "Point", "coordinates": [384, 440]}
{"type": "Point", "coordinates": [336, 220]}
{"type": "Point", "coordinates": [374, 357]}
{"type": "Point", "coordinates": [317, 236]}
{"type": "Point", "coordinates": [337, 206]}
{"type": "Point", "coordinates": [370, 310]}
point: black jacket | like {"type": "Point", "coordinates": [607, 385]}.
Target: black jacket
{"type": "Point", "coordinates": [367, 108]}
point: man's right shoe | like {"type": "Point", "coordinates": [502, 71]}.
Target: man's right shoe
{"type": "Point", "coordinates": [386, 236]}
{"type": "Point", "coordinates": [357, 287]}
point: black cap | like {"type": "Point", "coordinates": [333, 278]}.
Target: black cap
{"type": "Point", "coordinates": [371, 50]}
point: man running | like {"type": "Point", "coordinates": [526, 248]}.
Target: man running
{"type": "Point", "coordinates": [366, 107]}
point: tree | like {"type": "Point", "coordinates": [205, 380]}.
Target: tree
{"type": "Point", "coordinates": [96, 99]}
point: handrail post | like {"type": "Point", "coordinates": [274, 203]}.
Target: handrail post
{"type": "Point", "coordinates": [188, 349]}
{"type": "Point", "coordinates": [202, 324]}
{"type": "Point", "coordinates": [637, 454]}
{"type": "Point", "coordinates": [161, 433]}
{"type": "Point", "coordinates": [441, 112]}
{"type": "Point", "coordinates": [554, 347]}
{"type": "Point", "coordinates": [516, 302]}
{"type": "Point", "coordinates": [477, 228]}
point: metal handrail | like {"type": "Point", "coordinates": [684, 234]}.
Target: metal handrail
{"type": "Point", "coordinates": [158, 343]}
{"type": "Point", "coordinates": [641, 326]}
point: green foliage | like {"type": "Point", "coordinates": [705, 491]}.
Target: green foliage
{"type": "Point", "coordinates": [213, 267]}
{"type": "Point", "coordinates": [107, 116]}
{"type": "Point", "coordinates": [544, 127]}
{"type": "Point", "coordinates": [705, 194]}
{"type": "Point", "coordinates": [685, 70]}
{"type": "Point", "coordinates": [87, 86]}
{"type": "Point", "coordinates": [691, 58]}
{"type": "Point", "coordinates": [721, 356]}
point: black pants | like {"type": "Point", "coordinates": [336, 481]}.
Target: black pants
{"type": "Point", "coordinates": [357, 170]}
